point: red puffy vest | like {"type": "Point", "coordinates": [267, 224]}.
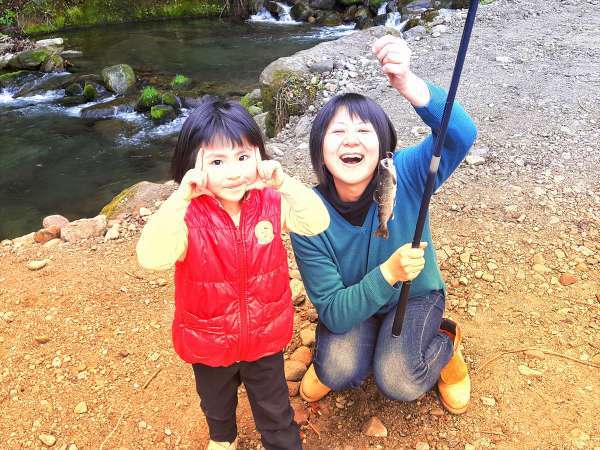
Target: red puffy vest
{"type": "Point", "coordinates": [232, 292]}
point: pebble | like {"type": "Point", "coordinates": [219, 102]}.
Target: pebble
{"type": "Point", "coordinates": [38, 264]}
{"type": "Point", "coordinates": [528, 372]}
{"type": "Point", "coordinates": [302, 354]}
{"type": "Point", "coordinates": [504, 59]}
{"type": "Point", "coordinates": [540, 268]}
{"type": "Point", "coordinates": [535, 354]}
{"type": "Point", "coordinates": [298, 291]}
{"type": "Point", "coordinates": [42, 339]}
{"type": "Point", "coordinates": [144, 212]}
{"type": "Point", "coordinates": [293, 388]}
{"type": "Point", "coordinates": [112, 233]}
{"type": "Point", "coordinates": [374, 427]}
{"type": "Point", "coordinates": [488, 401]}
{"type": "Point", "coordinates": [47, 439]}
{"type": "Point", "coordinates": [81, 408]}
{"type": "Point", "coordinates": [422, 446]}
{"type": "Point", "coordinates": [567, 279]}
{"type": "Point", "coordinates": [488, 277]}
{"type": "Point", "coordinates": [437, 412]}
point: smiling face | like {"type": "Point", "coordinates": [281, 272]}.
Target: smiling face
{"type": "Point", "coordinates": [350, 153]}
{"type": "Point", "coordinates": [230, 169]}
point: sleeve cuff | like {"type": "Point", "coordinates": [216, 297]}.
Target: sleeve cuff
{"type": "Point", "coordinates": [434, 110]}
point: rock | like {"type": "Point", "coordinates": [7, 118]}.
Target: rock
{"type": "Point", "coordinates": [108, 110]}
{"type": "Point", "coordinates": [374, 427]}
{"type": "Point", "coordinates": [300, 413]}
{"type": "Point", "coordinates": [540, 268]}
{"type": "Point", "coordinates": [422, 446]}
{"type": "Point", "coordinates": [437, 412]}
{"type": "Point", "coordinates": [56, 42]}
{"type": "Point", "coordinates": [535, 354]}
{"type": "Point", "coordinates": [298, 291]}
{"type": "Point", "coordinates": [71, 54]}
{"type": "Point", "coordinates": [144, 212]}
{"type": "Point", "coordinates": [84, 229]}
{"type": "Point", "coordinates": [474, 160]}
{"type": "Point", "coordinates": [119, 78]}
{"type": "Point", "coordinates": [307, 335]}
{"type": "Point", "coordinates": [29, 59]}
{"type": "Point", "coordinates": [539, 259]}
{"type": "Point", "coordinates": [81, 408]}
{"type": "Point", "coordinates": [131, 199]}
{"type": "Point", "coordinates": [488, 401]}
{"type": "Point", "coordinates": [273, 151]}
{"type": "Point", "coordinates": [37, 264]}
{"type": "Point", "coordinates": [504, 59]}
{"type": "Point", "coordinates": [488, 277]}
{"type": "Point", "coordinates": [567, 279]}
{"type": "Point", "coordinates": [293, 388]}
{"type": "Point", "coordinates": [288, 64]}
{"type": "Point", "coordinates": [112, 233]}
{"type": "Point", "coordinates": [528, 372]}
{"type": "Point", "coordinates": [322, 4]}
{"type": "Point", "coordinates": [300, 12]}
{"type": "Point", "coordinates": [4, 59]}
{"type": "Point", "coordinates": [18, 78]}
{"type": "Point", "coordinates": [579, 439]}
{"type": "Point", "coordinates": [47, 234]}
{"type": "Point", "coordinates": [303, 355]}
{"type": "Point", "coordinates": [55, 220]}
{"type": "Point", "coordinates": [294, 370]}
{"type": "Point", "coordinates": [303, 127]}
{"type": "Point", "coordinates": [322, 66]}
{"type": "Point", "coordinates": [261, 121]}
{"type": "Point", "coordinates": [415, 32]}
{"type": "Point", "coordinates": [53, 63]}
{"type": "Point", "coordinates": [52, 243]}
{"type": "Point", "coordinates": [162, 113]}
{"type": "Point", "coordinates": [47, 439]}
{"type": "Point", "coordinates": [465, 257]}
{"type": "Point", "coordinates": [42, 339]}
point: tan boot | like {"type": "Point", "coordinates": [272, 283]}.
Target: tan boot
{"type": "Point", "coordinates": [214, 445]}
{"type": "Point", "coordinates": [311, 388]}
{"type": "Point", "coordinates": [454, 384]}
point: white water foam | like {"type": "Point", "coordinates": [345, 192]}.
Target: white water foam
{"type": "Point", "coordinates": [264, 16]}
{"type": "Point", "coordinates": [149, 131]}
{"type": "Point", "coordinates": [7, 99]}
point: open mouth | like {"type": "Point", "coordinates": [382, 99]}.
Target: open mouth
{"type": "Point", "coordinates": [351, 158]}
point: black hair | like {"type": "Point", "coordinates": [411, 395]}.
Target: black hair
{"type": "Point", "coordinates": [212, 121]}
{"type": "Point", "coordinates": [356, 105]}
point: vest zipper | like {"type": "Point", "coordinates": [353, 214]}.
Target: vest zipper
{"type": "Point", "coordinates": [242, 299]}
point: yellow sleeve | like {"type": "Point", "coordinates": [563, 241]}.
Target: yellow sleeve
{"type": "Point", "coordinates": [164, 238]}
{"type": "Point", "coordinates": [302, 211]}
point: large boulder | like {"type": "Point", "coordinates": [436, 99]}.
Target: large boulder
{"type": "Point", "coordinates": [322, 4]}
{"type": "Point", "coordinates": [142, 194]}
{"type": "Point", "coordinates": [29, 59]}
{"type": "Point", "coordinates": [53, 63]}
{"type": "Point", "coordinates": [301, 12]}
{"type": "Point", "coordinates": [118, 79]}
{"type": "Point", "coordinates": [108, 110]}
{"type": "Point", "coordinates": [19, 78]}
{"type": "Point", "coordinates": [45, 83]}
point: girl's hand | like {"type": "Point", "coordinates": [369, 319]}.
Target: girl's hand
{"type": "Point", "coordinates": [194, 184]}
{"type": "Point", "coordinates": [406, 263]}
{"type": "Point", "coordinates": [394, 55]}
{"type": "Point", "coordinates": [270, 174]}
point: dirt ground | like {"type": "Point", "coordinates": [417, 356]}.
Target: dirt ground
{"type": "Point", "coordinates": [85, 341]}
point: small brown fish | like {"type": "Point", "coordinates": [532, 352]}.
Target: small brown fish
{"type": "Point", "coordinates": [385, 194]}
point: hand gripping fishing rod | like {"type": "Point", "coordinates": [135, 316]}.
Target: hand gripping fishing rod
{"type": "Point", "coordinates": [435, 159]}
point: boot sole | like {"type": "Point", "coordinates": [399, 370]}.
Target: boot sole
{"type": "Point", "coordinates": [455, 411]}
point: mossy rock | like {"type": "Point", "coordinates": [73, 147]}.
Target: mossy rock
{"type": "Point", "coordinates": [289, 94]}
{"type": "Point", "coordinates": [162, 113]}
{"type": "Point", "coordinates": [74, 89]}
{"type": "Point", "coordinates": [132, 198]}
{"type": "Point", "coordinates": [90, 92]}
{"type": "Point", "coordinates": [149, 97]}
{"type": "Point", "coordinates": [29, 59]}
{"type": "Point", "coordinates": [119, 78]}
{"type": "Point", "coordinates": [330, 19]}
{"type": "Point", "coordinates": [53, 63]}
{"type": "Point", "coordinates": [168, 98]}
{"type": "Point", "coordinates": [254, 110]}
{"type": "Point", "coordinates": [181, 82]}
{"type": "Point", "coordinates": [301, 12]}
{"type": "Point", "coordinates": [73, 100]}
{"type": "Point", "coordinates": [18, 78]}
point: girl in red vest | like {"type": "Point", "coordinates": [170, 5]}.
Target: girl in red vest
{"type": "Point", "coordinates": [222, 230]}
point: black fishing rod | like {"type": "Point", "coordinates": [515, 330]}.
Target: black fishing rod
{"type": "Point", "coordinates": [435, 159]}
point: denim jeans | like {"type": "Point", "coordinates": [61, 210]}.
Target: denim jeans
{"type": "Point", "coordinates": [404, 367]}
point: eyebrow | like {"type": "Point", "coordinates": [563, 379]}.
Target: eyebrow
{"type": "Point", "coordinates": [221, 153]}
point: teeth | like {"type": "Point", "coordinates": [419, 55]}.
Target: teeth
{"type": "Point", "coordinates": [352, 158]}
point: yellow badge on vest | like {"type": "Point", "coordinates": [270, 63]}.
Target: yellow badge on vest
{"type": "Point", "coordinates": [264, 232]}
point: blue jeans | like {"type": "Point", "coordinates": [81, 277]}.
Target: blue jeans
{"type": "Point", "coordinates": [404, 367]}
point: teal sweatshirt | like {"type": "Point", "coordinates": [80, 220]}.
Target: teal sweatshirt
{"type": "Point", "coordinates": [340, 267]}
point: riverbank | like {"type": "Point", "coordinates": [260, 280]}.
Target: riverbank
{"type": "Point", "coordinates": [86, 338]}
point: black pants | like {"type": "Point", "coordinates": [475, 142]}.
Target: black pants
{"type": "Point", "coordinates": [268, 395]}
